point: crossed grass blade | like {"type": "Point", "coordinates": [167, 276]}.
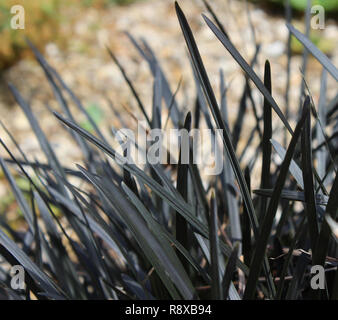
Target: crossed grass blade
{"type": "Point", "coordinates": [265, 228]}
{"type": "Point", "coordinates": [321, 57]}
{"type": "Point", "coordinates": [175, 202]}
{"type": "Point", "coordinates": [248, 70]}
{"type": "Point", "coordinates": [210, 97]}
{"type": "Point", "coordinates": [164, 266]}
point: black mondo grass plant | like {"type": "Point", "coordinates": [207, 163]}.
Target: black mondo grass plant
{"type": "Point", "coordinates": [152, 231]}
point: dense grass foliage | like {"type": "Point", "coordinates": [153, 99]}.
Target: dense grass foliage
{"type": "Point", "coordinates": [125, 231]}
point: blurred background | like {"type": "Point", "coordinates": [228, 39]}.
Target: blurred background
{"type": "Point", "coordinates": [73, 35]}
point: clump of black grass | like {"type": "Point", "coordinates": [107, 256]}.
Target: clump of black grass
{"type": "Point", "coordinates": [161, 232]}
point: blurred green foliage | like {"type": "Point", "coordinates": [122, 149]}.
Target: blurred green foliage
{"type": "Point", "coordinates": [106, 2]}
{"type": "Point", "coordinates": [325, 45]}
{"type": "Point", "coordinates": [329, 5]}
{"type": "Point", "coordinates": [43, 19]}
{"type": "Point", "coordinates": [41, 24]}
{"type": "Point", "coordinates": [95, 113]}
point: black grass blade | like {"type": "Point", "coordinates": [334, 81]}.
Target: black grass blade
{"type": "Point", "coordinates": [229, 271]}
{"type": "Point", "coordinates": [292, 195]}
{"type": "Point", "coordinates": [213, 14]}
{"type": "Point", "coordinates": [130, 84]}
{"type": "Point", "coordinates": [325, 232]}
{"type": "Point", "coordinates": [321, 57]}
{"type": "Point", "coordinates": [182, 231]}
{"type": "Point", "coordinates": [248, 70]}
{"type": "Point", "coordinates": [310, 202]}
{"type": "Point", "coordinates": [265, 229]}
{"type": "Point", "coordinates": [267, 134]}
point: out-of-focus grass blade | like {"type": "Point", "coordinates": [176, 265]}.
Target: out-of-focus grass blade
{"type": "Point", "coordinates": [288, 17]}
{"type": "Point", "coordinates": [219, 24]}
{"type": "Point", "coordinates": [331, 108]}
{"type": "Point", "coordinates": [265, 229]}
{"type": "Point", "coordinates": [320, 56]}
{"type": "Point", "coordinates": [198, 186]}
{"type": "Point", "coordinates": [223, 99]}
{"type": "Point", "coordinates": [130, 85]}
{"type": "Point", "coordinates": [292, 195]}
{"type": "Point", "coordinates": [37, 239]}
{"type": "Point", "coordinates": [248, 70]}
{"type": "Point", "coordinates": [228, 180]}
{"type": "Point", "coordinates": [50, 72]}
{"type": "Point", "coordinates": [333, 225]}
{"type": "Point", "coordinates": [148, 55]}
{"type": "Point", "coordinates": [238, 125]}
{"type": "Point", "coordinates": [231, 192]}
{"type": "Point", "coordinates": [77, 102]}
{"type": "Point", "coordinates": [19, 196]}
{"type": "Point", "coordinates": [201, 103]}
{"type": "Point", "coordinates": [333, 136]}
{"type": "Point", "coordinates": [321, 123]}
{"type": "Point", "coordinates": [58, 95]}
{"type": "Point", "coordinates": [321, 155]}
{"type": "Point", "coordinates": [172, 103]}
{"type": "Point", "coordinates": [305, 55]}
{"type": "Point", "coordinates": [45, 146]}
{"type": "Point", "coordinates": [309, 190]}
{"type": "Point", "coordinates": [294, 168]}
